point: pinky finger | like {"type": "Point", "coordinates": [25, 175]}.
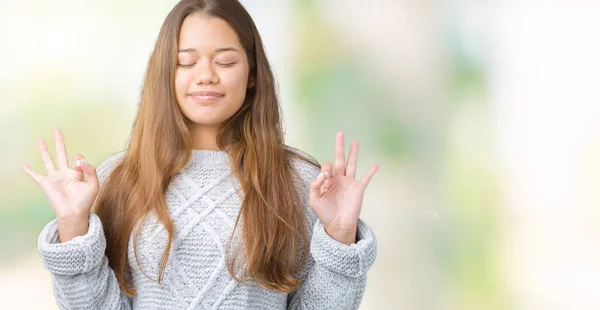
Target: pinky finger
{"type": "Point", "coordinates": [34, 175]}
{"type": "Point", "coordinates": [367, 177]}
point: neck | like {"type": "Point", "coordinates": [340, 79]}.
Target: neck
{"type": "Point", "coordinates": [205, 137]}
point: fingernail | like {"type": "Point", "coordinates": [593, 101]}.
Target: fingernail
{"type": "Point", "coordinates": [78, 163]}
{"type": "Point", "coordinates": [84, 161]}
{"type": "Point", "coordinates": [321, 175]}
{"type": "Point", "coordinates": [326, 174]}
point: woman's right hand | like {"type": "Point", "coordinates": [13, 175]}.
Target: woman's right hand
{"type": "Point", "coordinates": [70, 195]}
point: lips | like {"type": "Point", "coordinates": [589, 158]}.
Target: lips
{"type": "Point", "coordinates": [206, 96]}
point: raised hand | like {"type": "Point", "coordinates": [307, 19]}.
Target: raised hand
{"type": "Point", "coordinates": [336, 196]}
{"type": "Point", "coordinates": [70, 194]}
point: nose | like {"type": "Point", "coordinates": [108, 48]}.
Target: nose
{"type": "Point", "coordinates": [205, 73]}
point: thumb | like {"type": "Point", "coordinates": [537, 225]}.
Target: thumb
{"type": "Point", "coordinates": [315, 188]}
{"type": "Point", "coordinates": [90, 173]}
{"type": "Point", "coordinates": [77, 166]}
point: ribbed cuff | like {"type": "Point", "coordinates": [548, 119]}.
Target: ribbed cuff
{"type": "Point", "coordinates": [76, 256]}
{"type": "Point", "coordinates": [351, 260]}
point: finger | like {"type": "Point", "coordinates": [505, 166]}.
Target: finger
{"type": "Point", "coordinates": [77, 166]}
{"type": "Point", "coordinates": [46, 156]}
{"type": "Point", "coordinates": [327, 168]}
{"type": "Point", "coordinates": [352, 158]}
{"type": "Point", "coordinates": [61, 152]}
{"type": "Point", "coordinates": [77, 162]}
{"type": "Point", "coordinates": [91, 177]}
{"type": "Point", "coordinates": [34, 175]}
{"type": "Point", "coordinates": [327, 186]}
{"type": "Point", "coordinates": [315, 186]}
{"type": "Point", "coordinates": [367, 177]}
{"type": "Point", "coordinates": [340, 161]}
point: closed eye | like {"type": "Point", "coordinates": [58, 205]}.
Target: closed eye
{"type": "Point", "coordinates": [226, 65]}
{"type": "Point", "coordinates": [220, 64]}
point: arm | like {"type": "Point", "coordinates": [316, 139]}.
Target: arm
{"type": "Point", "coordinates": [336, 273]}
{"type": "Point", "coordinates": [81, 276]}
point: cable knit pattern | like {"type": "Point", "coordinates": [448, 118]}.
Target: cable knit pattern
{"type": "Point", "coordinates": [349, 260]}
{"type": "Point", "coordinates": [204, 200]}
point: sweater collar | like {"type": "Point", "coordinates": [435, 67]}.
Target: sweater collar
{"type": "Point", "coordinates": [208, 157]}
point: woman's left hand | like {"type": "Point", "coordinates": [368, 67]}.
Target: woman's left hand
{"type": "Point", "coordinates": [336, 196]}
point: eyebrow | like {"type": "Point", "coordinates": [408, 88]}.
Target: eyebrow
{"type": "Point", "coordinates": [218, 50]}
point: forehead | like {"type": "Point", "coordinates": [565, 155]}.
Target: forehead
{"type": "Point", "coordinates": [206, 33]}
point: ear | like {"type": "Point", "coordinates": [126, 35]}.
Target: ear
{"type": "Point", "coordinates": [250, 82]}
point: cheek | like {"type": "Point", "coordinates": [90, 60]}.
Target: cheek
{"type": "Point", "coordinates": [182, 82]}
{"type": "Point", "coordinates": [236, 83]}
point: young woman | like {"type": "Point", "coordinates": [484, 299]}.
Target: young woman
{"type": "Point", "coordinates": [207, 208]}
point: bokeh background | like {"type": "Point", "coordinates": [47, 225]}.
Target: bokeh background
{"type": "Point", "coordinates": [484, 115]}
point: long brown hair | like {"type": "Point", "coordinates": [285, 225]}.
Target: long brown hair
{"type": "Point", "coordinates": [275, 225]}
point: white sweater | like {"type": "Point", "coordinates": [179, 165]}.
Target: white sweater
{"type": "Point", "coordinates": [203, 200]}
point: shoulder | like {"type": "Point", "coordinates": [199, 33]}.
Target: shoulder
{"type": "Point", "coordinates": [307, 167]}
{"type": "Point", "coordinates": [106, 167]}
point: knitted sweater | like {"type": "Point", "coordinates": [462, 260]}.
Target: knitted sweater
{"type": "Point", "coordinates": [203, 200]}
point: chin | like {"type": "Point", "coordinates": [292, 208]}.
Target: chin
{"type": "Point", "coordinates": [205, 120]}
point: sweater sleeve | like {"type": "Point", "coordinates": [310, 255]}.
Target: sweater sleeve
{"type": "Point", "coordinates": [81, 276]}
{"type": "Point", "coordinates": [335, 274]}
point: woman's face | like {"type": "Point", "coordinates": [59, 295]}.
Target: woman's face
{"type": "Point", "coordinates": [212, 70]}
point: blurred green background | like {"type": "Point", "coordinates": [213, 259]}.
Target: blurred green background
{"type": "Point", "coordinates": [483, 115]}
